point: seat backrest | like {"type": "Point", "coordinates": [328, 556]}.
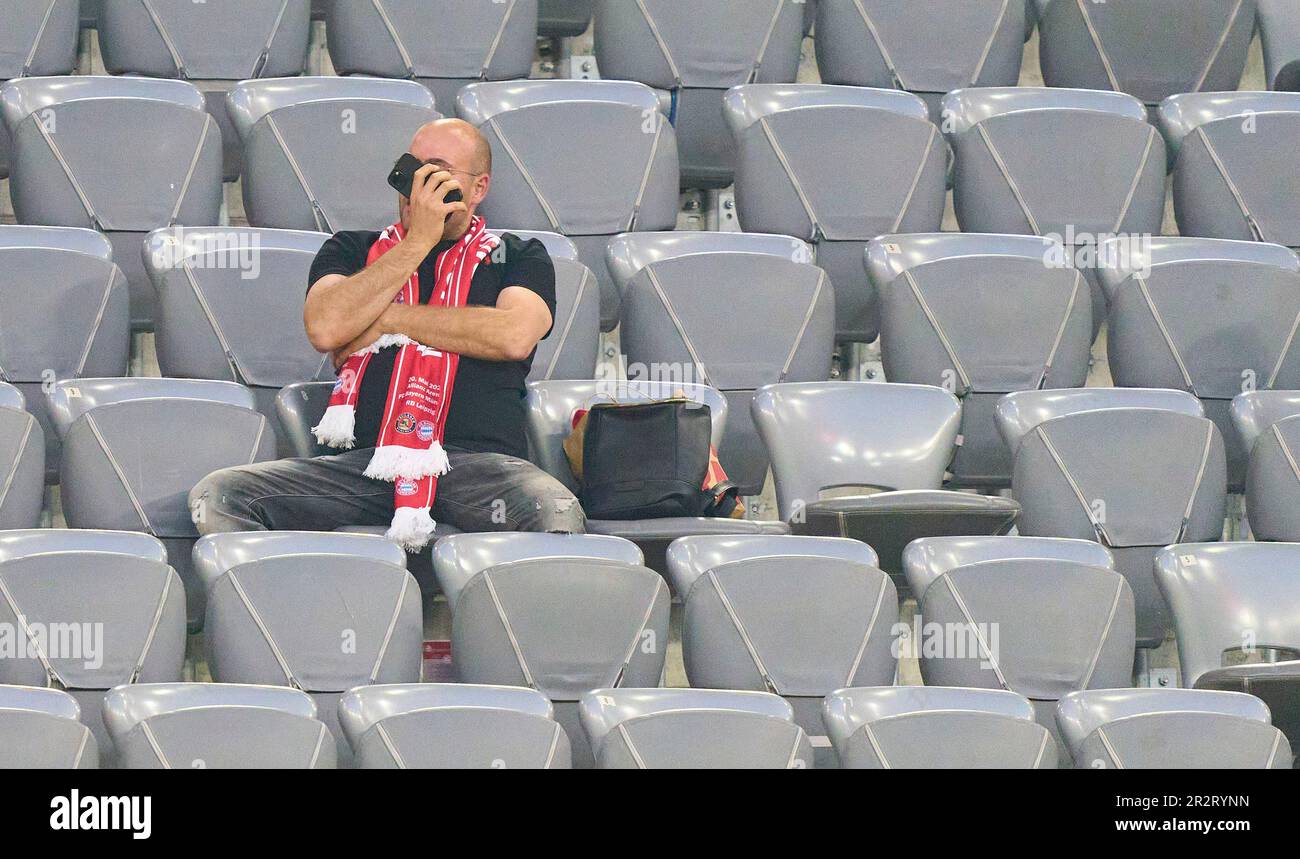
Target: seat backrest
{"type": "Point", "coordinates": [230, 304]}
{"type": "Point", "coordinates": [1279, 30]}
{"type": "Point", "coordinates": [628, 253]}
{"type": "Point", "coordinates": [822, 435]}
{"type": "Point", "coordinates": [216, 726]}
{"type": "Point", "coordinates": [22, 465]}
{"type": "Point", "coordinates": [39, 729]}
{"type": "Point", "coordinates": [458, 558]}
{"type": "Point", "coordinates": [1234, 177]}
{"type": "Point", "coordinates": [1037, 627]}
{"type": "Point", "coordinates": [364, 622]}
{"type": "Point", "coordinates": [896, 727]}
{"type": "Point", "coordinates": [551, 406]}
{"type": "Point", "coordinates": [1150, 48]}
{"type": "Point", "coordinates": [1018, 413]}
{"type": "Point", "coordinates": [563, 626]}
{"type": "Point", "coordinates": [573, 346]}
{"type": "Point", "coordinates": [936, 48]}
{"type": "Point", "coordinates": [1209, 316]}
{"type": "Point", "coordinates": [621, 174]}
{"type": "Point", "coordinates": [92, 620]}
{"type": "Point", "coordinates": [1253, 412]}
{"type": "Point", "coordinates": [693, 729]}
{"type": "Point", "coordinates": [228, 41]}
{"type": "Point", "coordinates": [1125, 477]}
{"type": "Point", "coordinates": [1273, 482]}
{"type": "Point", "coordinates": [452, 726]}
{"type": "Point", "coordinates": [307, 140]}
{"type": "Point", "coordinates": [797, 626]}
{"type": "Point", "coordinates": [130, 465]}
{"type": "Point", "coordinates": [691, 557]}
{"type": "Point", "coordinates": [1003, 184]}
{"type": "Point", "coordinates": [70, 399]}
{"type": "Point", "coordinates": [112, 153]}
{"type": "Point", "coordinates": [299, 407]}
{"type": "Point", "coordinates": [761, 320]}
{"type": "Point", "coordinates": [1082, 714]}
{"type": "Point", "coordinates": [38, 38]}
{"type": "Point", "coordinates": [928, 558]}
{"type": "Point", "coordinates": [38, 541]}
{"type": "Point", "coordinates": [215, 554]}
{"type": "Point", "coordinates": [439, 39]}
{"type": "Point", "coordinates": [77, 323]}
{"type": "Point", "coordinates": [723, 44]}
{"type": "Point", "coordinates": [799, 164]}
{"type": "Point", "coordinates": [1229, 597]}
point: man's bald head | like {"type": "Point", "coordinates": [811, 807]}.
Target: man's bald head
{"type": "Point", "coordinates": [454, 142]}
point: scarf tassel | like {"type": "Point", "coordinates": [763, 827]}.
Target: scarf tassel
{"type": "Point", "coordinates": [412, 528]}
{"type": "Point", "coordinates": [392, 461]}
{"type": "Point", "coordinates": [337, 427]}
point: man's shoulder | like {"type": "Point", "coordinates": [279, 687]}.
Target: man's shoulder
{"type": "Point", "coordinates": [350, 240]}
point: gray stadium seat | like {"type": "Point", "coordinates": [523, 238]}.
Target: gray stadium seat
{"type": "Point", "coordinates": [299, 408]}
{"type": "Point", "coordinates": [122, 620]}
{"type": "Point", "coordinates": [1235, 175]}
{"type": "Point", "coordinates": [693, 59]}
{"type": "Point", "coordinates": [1039, 627]}
{"type": "Point", "coordinates": [628, 253]}
{"type": "Point", "coordinates": [1273, 482]}
{"type": "Point", "coordinates": [319, 622]}
{"type": "Point", "coordinates": [216, 726]}
{"type": "Point", "coordinates": [1170, 729]}
{"type": "Point", "coordinates": [693, 729]}
{"type": "Point", "coordinates": [563, 18]}
{"type": "Point", "coordinates": [1208, 316]}
{"type": "Point", "coordinates": [800, 171]}
{"type": "Point", "coordinates": [213, 43]}
{"type": "Point", "coordinates": [735, 322]}
{"type": "Point", "coordinates": [40, 729]}
{"type": "Point", "coordinates": [19, 543]}
{"type": "Point", "coordinates": [867, 436]}
{"type": "Point", "coordinates": [690, 556]}
{"type": "Point", "coordinates": [215, 554]}
{"type": "Point", "coordinates": [981, 316]}
{"type": "Point", "coordinates": [1279, 30]}
{"type": "Point", "coordinates": [230, 307]}
{"type": "Point", "coordinates": [550, 411]}
{"type": "Point", "coordinates": [928, 49]}
{"type": "Point", "coordinates": [317, 149]}
{"type": "Point", "coordinates": [452, 726]}
{"type": "Point", "coordinates": [22, 452]}
{"type": "Point", "coordinates": [1149, 48]}
{"type": "Point", "coordinates": [928, 558]}
{"type": "Point", "coordinates": [1003, 184]}
{"type": "Point", "coordinates": [572, 349]}
{"type": "Point", "coordinates": [1133, 479]}
{"type": "Point", "coordinates": [1017, 414]}
{"type": "Point", "coordinates": [1277, 684]}
{"type": "Point", "coordinates": [563, 626]}
{"type": "Point", "coordinates": [37, 39]}
{"type": "Point", "coordinates": [619, 174]}
{"type": "Point", "coordinates": [76, 323]}
{"type": "Point", "coordinates": [1232, 603]}
{"type": "Point", "coordinates": [117, 154]}
{"type": "Point", "coordinates": [1253, 412]}
{"type": "Point", "coordinates": [442, 44]}
{"type": "Point", "coordinates": [909, 727]}
{"type": "Point", "coordinates": [796, 625]}
{"type": "Point", "coordinates": [134, 448]}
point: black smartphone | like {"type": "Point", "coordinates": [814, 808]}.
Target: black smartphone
{"type": "Point", "coordinates": [403, 176]}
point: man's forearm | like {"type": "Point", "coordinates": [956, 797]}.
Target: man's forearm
{"type": "Point", "coordinates": [335, 313]}
{"type": "Point", "coordinates": [487, 333]}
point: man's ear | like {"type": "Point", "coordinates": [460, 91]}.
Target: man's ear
{"type": "Point", "coordinates": [482, 186]}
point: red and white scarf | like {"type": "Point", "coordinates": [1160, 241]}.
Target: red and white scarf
{"type": "Point", "coordinates": [409, 451]}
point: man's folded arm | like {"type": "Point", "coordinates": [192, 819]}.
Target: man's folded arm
{"type": "Point", "coordinates": [507, 332]}
{"type": "Point", "coordinates": [339, 309]}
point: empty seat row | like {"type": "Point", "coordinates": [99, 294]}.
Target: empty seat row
{"type": "Point", "coordinates": [452, 726]}
{"type": "Point", "coordinates": [795, 617]}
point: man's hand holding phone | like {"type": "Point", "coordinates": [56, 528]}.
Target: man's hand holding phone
{"type": "Point", "coordinates": [435, 197]}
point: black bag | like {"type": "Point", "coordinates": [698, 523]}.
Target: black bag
{"type": "Point", "coordinates": [646, 460]}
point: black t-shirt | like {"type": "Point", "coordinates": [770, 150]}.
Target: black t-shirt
{"type": "Point", "coordinates": [487, 410]}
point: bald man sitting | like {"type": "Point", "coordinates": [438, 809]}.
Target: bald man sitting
{"type": "Point", "coordinates": [474, 339]}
